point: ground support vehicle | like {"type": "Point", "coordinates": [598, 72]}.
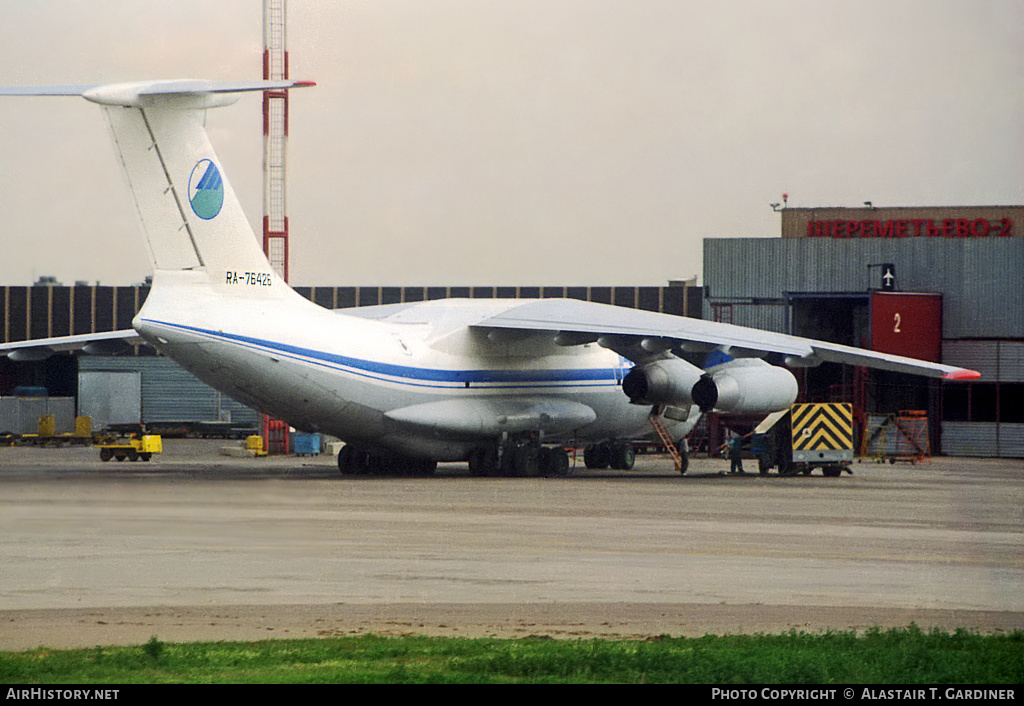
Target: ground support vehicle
{"type": "Point", "coordinates": [138, 445]}
{"type": "Point", "coordinates": [805, 437]}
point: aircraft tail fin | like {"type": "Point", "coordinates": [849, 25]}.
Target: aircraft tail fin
{"type": "Point", "coordinates": [190, 215]}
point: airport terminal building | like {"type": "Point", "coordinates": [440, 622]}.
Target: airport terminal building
{"type": "Point", "coordinates": [942, 283]}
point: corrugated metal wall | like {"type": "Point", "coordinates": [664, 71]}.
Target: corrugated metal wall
{"type": "Point", "coordinates": [767, 317]}
{"type": "Point", "coordinates": [20, 415]}
{"type": "Point", "coordinates": [984, 439]}
{"type": "Point", "coordinates": [1001, 364]}
{"type": "Point", "coordinates": [170, 393]}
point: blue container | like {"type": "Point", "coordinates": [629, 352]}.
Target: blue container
{"type": "Point", "coordinates": [306, 444]}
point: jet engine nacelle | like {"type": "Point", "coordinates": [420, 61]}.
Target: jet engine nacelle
{"type": "Point", "coordinates": [666, 381]}
{"type": "Point", "coordinates": [748, 386]}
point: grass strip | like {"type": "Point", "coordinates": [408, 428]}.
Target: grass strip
{"type": "Point", "coordinates": [895, 656]}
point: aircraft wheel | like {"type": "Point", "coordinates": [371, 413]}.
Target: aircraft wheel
{"type": "Point", "coordinates": [543, 459]}
{"type": "Point", "coordinates": [483, 462]}
{"type": "Point", "coordinates": [526, 461]}
{"type": "Point", "coordinates": [623, 456]}
{"type": "Point", "coordinates": [597, 456]}
{"type": "Point", "coordinates": [351, 460]}
{"type": "Point", "coordinates": [556, 463]}
{"type": "Point", "coordinates": [476, 462]}
{"type": "Point", "coordinates": [373, 464]}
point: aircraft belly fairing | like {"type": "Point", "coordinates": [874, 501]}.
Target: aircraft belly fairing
{"type": "Point", "coordinates": [488, 417]}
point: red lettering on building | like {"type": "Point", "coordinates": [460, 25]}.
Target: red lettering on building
{"type": "Point", "coordinates": [913, 228]}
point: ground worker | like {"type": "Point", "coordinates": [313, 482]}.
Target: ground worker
{"type": "Point", "coordinates": [735, 447]}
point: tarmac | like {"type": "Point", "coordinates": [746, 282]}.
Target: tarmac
{"type": "Point", "coordinates": [198, 545]}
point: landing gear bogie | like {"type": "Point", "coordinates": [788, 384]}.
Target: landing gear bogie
{"type": "Point", "coordinates": [617, 455]}
{"type": "Point", "coordinates": [528, 459]}
{"type": "Point", "coordinates": [354, 459]}
{"type": "Point", "coordinates": [519, 458]}
{"type": "Point", "coordinates": [483, 461]}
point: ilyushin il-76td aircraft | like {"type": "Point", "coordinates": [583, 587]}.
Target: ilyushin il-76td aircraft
{"type": "Point", "coordinates": [502, 384]}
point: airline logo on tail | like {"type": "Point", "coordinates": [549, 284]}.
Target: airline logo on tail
{"type": "Point", "coordinates": [205, 189]}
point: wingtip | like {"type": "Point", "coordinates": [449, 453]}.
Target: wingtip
{"type": "Point", "coordinates": [962, 375]}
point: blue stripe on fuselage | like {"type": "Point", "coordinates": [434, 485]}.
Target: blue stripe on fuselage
{"type": "Point", "coordinates": [430, 377]}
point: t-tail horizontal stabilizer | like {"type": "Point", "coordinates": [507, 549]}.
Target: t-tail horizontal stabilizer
{"type": "Point", "coordinates": [133, 94]}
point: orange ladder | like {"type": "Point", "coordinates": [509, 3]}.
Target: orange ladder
{"type": "Point", "coordinates": [659, 427]}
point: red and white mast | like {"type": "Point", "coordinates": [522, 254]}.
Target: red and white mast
{"type": "Point", "coordinates": [275, 137]}
{"type": "Point", "coordinates": [275, 141]}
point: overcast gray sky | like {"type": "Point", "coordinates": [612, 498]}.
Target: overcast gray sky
{"type": "Point", "coordinates": [522, 141]}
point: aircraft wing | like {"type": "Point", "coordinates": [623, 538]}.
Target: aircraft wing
{"type": "Point", "coordinates": [643, 335]}
{"type": "Point", "coordinates": [107, 343]}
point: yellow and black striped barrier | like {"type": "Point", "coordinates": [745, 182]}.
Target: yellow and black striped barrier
{"type": "Point", "coordinates": [822, 432]}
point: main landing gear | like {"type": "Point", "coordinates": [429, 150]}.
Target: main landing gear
{"type": "Point", "coordinates": [519, 458]}
{"type": "Point", "coordinates": [357, 460]}
{"type": "Point", "coordinates": [617, 455]}
{"type": "Point", "coordinates": [621, 456]}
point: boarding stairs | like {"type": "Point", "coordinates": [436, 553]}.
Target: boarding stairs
{"type": "Point", "coordinates": [666, 440]}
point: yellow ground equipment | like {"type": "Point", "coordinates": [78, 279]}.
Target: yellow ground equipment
{"type": "Point", "coordinates": [805, 437]}
{"type": "Point", "coordinates": [138, 445]}
{"type": "Point", "coordinates": [46, 433]}
{"type": "Point", "coordinates": [254, 444]}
